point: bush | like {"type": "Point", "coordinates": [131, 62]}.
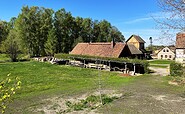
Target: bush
{"type": "Point", "coordinates": [176, 69]}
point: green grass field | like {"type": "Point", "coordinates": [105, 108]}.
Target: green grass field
{"type": "Point", "coordinates": [160, 62]}
{"type": "Point", "coordinates": [44, 80]}
{"type": "Point", "coordinates": [159, 65]}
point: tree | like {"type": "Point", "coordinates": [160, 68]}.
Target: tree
{"type": "Point", "coordinates": [116, 35]}
{"type": "Point", "coordinates": [77, 31]}
{"type": "Point", "coordinates": [33, 25]}
{"type": "Point", "coordinates": [4, 30]}
{"type": "Point", "coordinates": [105, 29]}
{"type": "Point", "coordinates": [96, 31]}
{"type": "Point", "coordinates": [11, 46]}
{"type": "Point", "coordinates": [64, 25]}
{"type": "Point", "coordinates": [174, 15]}
{"type": "Point", "coordinates": [51, 43]}
{"type": "Point", "coordinates": [45, 26]}
{"type": "Point", "coordinates": [87, 30]}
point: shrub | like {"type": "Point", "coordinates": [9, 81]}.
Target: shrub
{"type": "Point", "coordinates": [176, 69]}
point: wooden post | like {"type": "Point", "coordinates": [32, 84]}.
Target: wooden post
{"type": "Point", "coordinates": [125, 67]}
{"type": "Point", "coordinates": [134, 69]}
{"type": "Point", "coordinates": [109, 66]}
{"type": "Point", "coordinates": [84, 63]}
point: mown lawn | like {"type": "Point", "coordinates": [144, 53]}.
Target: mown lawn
{"type": "Point", "coordinates": [44, 80]}
{"type": "Point", "coordinates": [159, 65]}
{"type": "Point", "coordinates": [161, 61]}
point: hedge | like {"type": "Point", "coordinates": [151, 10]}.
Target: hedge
{"type": "Point", "coordinates": [176, 69]}
{"type": "Point", "coordinates": [136, 61]}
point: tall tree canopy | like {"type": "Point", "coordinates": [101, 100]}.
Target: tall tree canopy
{"type": "Point", "coordinates": [41, 31]}
{"type": "Point", "coordinates": [4, 30]}
{"type": "Point", "coordinates": [33, 25]}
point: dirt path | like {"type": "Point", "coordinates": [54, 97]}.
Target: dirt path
{"type": "Point", "coordinates": [148, 96]}
{"type": "Point", "coordinates": [160, 71]}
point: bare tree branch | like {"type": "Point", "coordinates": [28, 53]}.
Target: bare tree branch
{"type": "Point", "coordinates": [174, 15]}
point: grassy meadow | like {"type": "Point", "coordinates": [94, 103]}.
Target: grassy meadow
{"type": "Point", "coordinates": [44, 80]}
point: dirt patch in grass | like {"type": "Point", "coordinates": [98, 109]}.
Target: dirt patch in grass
{"type": "Point", "coordinates": [59, 104]}
{"type": "Point", "coordinates": [124, 74]}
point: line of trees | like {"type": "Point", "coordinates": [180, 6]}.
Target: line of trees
{"type": "Point", "coordinates": [40, 31]}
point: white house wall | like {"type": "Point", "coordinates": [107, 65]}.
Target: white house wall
{"type": "Point", "coordinates": [180, 55]}
{"type": "Point", "coordinates": [166, 53]}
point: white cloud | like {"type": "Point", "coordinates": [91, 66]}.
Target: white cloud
{"type": "Point", "coordinates": [138, 20]}
{"type": "Point", "coordinates": [151, 17]}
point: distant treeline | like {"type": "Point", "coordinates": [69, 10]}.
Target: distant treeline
{"type": "Point", "coordinates": [40, 31]}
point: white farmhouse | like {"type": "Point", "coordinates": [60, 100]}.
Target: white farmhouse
{"type": "Point", "coordinates": [166, 53]}
{"type": "Point", "coordinates": [180, 47]}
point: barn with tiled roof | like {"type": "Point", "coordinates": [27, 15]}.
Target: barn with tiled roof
{"type": "Point", "coordinates": [110, 49]}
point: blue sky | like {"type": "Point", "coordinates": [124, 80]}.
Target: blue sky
{"type": "Point", "coordinates": [129, 16]}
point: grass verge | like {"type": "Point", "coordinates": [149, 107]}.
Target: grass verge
{"type": "Point", "coordinates": [160, 62]}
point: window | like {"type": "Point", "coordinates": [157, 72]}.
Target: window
{"type": "Point", "coordinates": [167, 50]}
{"type": "Point", "coordinates": [161, 56]}
{"type": "Point", "coordinates": [166, 56]}
{"type": "Point", "coordinates": [163, 50]}
{"type": "Point", "coordinates": [170, 56]}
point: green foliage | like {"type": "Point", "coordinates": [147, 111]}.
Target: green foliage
{"type": "Point", "coordinates": [33, 32]}
{"type": "Point", "coordinates": [11, 46]}
{"type": "Point", "coordinates": [4, 58]}
{"type": "Point", "coordinates": [42, 31]}
{"type": "Point", "coordinates": [137, 61]}
{"type": "Point", "coordinates": [64, 24]}
{"type": "Point", "coordinates": [4, 30]}
{"type": "Point", "coordinates": [51, 43]}
{"type": "Point", "coordinates": [8, 87]}
{"type": "Point", "coordinates": [176, 69]}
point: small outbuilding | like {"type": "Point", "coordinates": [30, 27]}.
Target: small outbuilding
{"type": "Point", "coordinates": [138, 42]}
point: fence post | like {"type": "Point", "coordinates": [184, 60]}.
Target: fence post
{"type": "Point", "coordinates": [125, 67]}
{"type": "Point", "coordinates": [134, 68]}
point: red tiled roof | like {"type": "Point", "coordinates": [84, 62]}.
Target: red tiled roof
{"type": "Point", "coordinates": [79, 48]}
{"type": "Point", "coordinates": [99, 49]}
{"type": "Point", "coordinates": [180, 40]}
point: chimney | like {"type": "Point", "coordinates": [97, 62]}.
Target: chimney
{"type": "Point", "coordinates": [112, 43]}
